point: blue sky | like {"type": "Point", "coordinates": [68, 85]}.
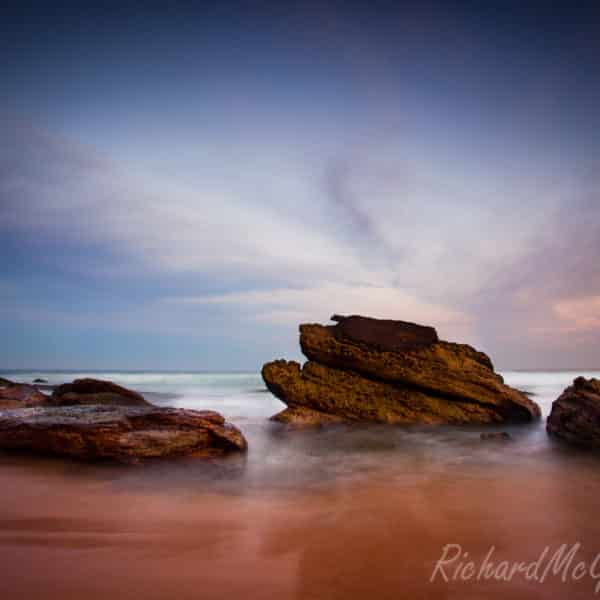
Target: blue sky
{"type": "Point", "coordinates": [180, 187]}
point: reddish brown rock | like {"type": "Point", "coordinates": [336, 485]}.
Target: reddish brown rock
{"type": "Point", "coordinates": [383, 334]}
{"type": "Point", "coordinates": [20, 395]}
{"type": "Point", "coordinates": [96, 391]}
{"type": "Point", "coordinates": [117, 432]}
{"type": "Point", "coordinates": [410, 377]}
{"type": "Point", "coordinates": [80, 392]}
{"type": "Point", "coordinates": [575, 415]}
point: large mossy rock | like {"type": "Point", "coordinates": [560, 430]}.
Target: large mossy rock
{"type": "Point", "coordinates": [575, 415]}
{"type": "Point", "coordinates": [122, 433]}
{"type": "Point", "coordinates": [365, 369]}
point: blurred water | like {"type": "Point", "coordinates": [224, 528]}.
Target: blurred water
{"type": "Point", "coordinates": [242, 394]}
{"type": "Point", "coordinates": [282, 458]}
{"type": "Point", "coordinates": [545, 386]}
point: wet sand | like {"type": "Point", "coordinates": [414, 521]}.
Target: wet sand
{"type": "Point", "coordinates": [70, 532]}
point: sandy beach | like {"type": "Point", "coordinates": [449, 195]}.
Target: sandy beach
{"type": "Point", "coordinates": [68, 531]}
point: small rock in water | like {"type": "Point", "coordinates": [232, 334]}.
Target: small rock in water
{"type": "Point", "coordinates": [40, 380]}
{"type": "Point", "coordinates": [96, 391]}
{"type": "Point", "coordinates": [500, 435]}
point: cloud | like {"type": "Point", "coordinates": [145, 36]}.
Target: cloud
{"type": "Point", "coordinates": [314, 304]}
{"type": "Point", "coordinates": [582, 314]}
{"type": "Point", "coordinates": [542, 309]}
{"type": "Point", "coordinates": [505, 258]}
{"type": "Point", "coordinates": [49, 185]}
{"type": "Point", "coordinates": [350, 213]}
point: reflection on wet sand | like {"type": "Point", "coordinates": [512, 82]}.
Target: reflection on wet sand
{"type": "Point", "coordinates": [65, 535]}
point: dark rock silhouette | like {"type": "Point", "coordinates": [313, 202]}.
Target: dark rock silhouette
{"type": "Point", "coordinates": [575, 415]}
{"type": "Point", "coordinates": [498, 436]}
{"type": "Point", "coordinates": [81, 391]}
{"type": "Point", "coordinates": [96, 391]}
{"type": "Point", "coordinates": [384, 334]}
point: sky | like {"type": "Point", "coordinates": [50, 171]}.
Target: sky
{"type": "Point", "coordinates": [182, 184]}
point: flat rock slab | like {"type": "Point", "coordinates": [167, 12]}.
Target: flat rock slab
{"type": "Point", "coordinates": [384, 334]}
{"type": "Point", "coordinates": [575, 415]}
{"type": "Point", "coordinates": [318, 394]}
{"type": "Point", "coordinates": [117, 432]}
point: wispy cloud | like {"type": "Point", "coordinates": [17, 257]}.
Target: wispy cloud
{"type": "Point", "coordinates": [50, 185]}
{"type": "Point", "coordinates": [291, 306]}
{"type": "Point", "coordinates": [377, 234]}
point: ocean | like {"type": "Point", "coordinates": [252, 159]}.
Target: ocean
{"type": "Point", "coordinates": [241, 395]}
{"type": "Point", "coordinates": [334, 512]}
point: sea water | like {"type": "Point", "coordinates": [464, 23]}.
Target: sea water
{"type": "Point", "coordinates": [281, 457]}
